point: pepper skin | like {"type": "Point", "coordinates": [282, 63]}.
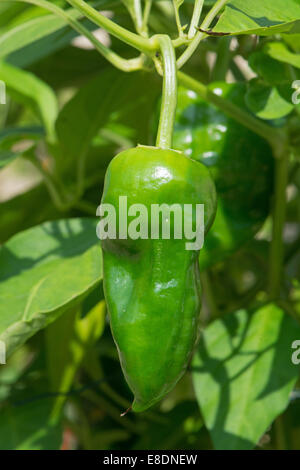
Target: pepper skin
{"type": "Point", "coordinates": [241, 164]}
{"type": "Point", "coordinates": [152, 286]}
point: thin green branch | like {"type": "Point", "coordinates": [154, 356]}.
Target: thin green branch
{"type": "Point", "coordinates": [146, 14]}
{"type": "Point", "coordinates": [50, 184]}
{"type": "Point", "coordinates": [213, 12]}
{"type": "Point", "coordinates": [138, 15]}
{"type": "Point", "coordinates": [169, 95]}
{"type": "Point", "coordinates": [276, 137]}
{"type": "Point", "coordinates": [177, 4]}
{"type": "Point", "coordinates": [112, 57]}
{"type": "Point", "coordinates": [195, 18]}
{"type": "Point", "coordinates": [224, 56]}
{"type": "Point", "coordinates": [138, 42]}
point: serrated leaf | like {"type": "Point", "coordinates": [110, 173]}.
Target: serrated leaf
{"type": "Point", "coordinates": [44, 271]}
{"type": "Point", "coordinates": [243, 374]}
{"type": "Point", "coordinates": [259, 17]}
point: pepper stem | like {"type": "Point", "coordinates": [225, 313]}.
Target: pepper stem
{"type": "Point", "coordinates": [169, 93]}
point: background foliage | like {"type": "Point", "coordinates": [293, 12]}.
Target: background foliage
{"type": "Point", "coordinates": [67, 113]}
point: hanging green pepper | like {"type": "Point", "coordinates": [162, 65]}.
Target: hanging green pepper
{"type": "Point", "coordinates": [152, 286]}
{"type": "Point", "coordinates": [240, 162]}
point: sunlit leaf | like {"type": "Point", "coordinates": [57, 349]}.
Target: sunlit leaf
{"type": "Point", "coordinates": [243, 374]}
{"type": "Point", "coordinates": [259, 17]}
{"type": "Point", "coordinates": [44, 271]}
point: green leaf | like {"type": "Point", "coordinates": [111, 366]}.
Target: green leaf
{"type": "Point", "coordinates": [28, 89]}
{"type": "Point", "coordinates": [44, 271]}
{"type": "Point", "coordinates": [269, 69]}
{"type": "Point", "coordinates": [259, 17]}
{"type": "Point", "coordinates": [10, 137]}
{"type": "Point", "coordinates": [269, 102]}
{"type": "Point", "coordinates": [6, 158]}
{"type": "Point", "coordinates": [26, 428]}
{"type": "Point", "coordinates": [111, 97]}
{"type": "Point", "coordinates": [243, 374]}
{"type": "Point", "coordinates": [29, 41]}
{"type": "Point", "coordinates": [293, 40]}
{"type": "Point", "coordinates": [26, 33]}
{"type": "Point", "coordinates": [68, 340]}
{"type": "Point", "coordinates": [279, 51]}
{"type": "Point", "coordinates": [25, 210]}
{"type": "Point", "coordinates": [8, 11]}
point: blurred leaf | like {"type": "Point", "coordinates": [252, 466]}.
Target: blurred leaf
{"type": "Point", "coordinates": [268, 68]}
{"type": "Point", "coordinates": [279, 51]}
{"type": "Point", "coordinates": [13, 142]}
{"type": "Point", "coordinates": [109, 98]}
{"type": "Point", "coordinates": [8, 11]}
{"type": "Point", "coordinates": [257, 17]}
{"type": "Point", "coordinates": [12, 371]}
{"type": "Point", "coordinates": [26, 33]}
{"type": "Point", "coordinates": [68, 340]}
{"type": "Point", "coordinates": [37, 38]}
{"type": "Point", "coordinates": [7, 157]}
{"type": "Point", "coordinates": [243, 374]}
{"type": "Point", "coordinates": [269, 102]}
{"type": "Point", "coordinates": [26, 210]}
{"type": "Point", "coordinates": [178, 428]}
{"type": "Point", "coordinates": [29, 90]}
{"type": "Point", "coordinates": [26, 428]}
{"type": "Point", "coordinates": [293, 40]}
{"type": "Point", "coordinates": [70, 66]}
{"type": "Point", "coordinates": [45, 271]}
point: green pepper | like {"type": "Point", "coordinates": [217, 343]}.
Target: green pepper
{"type": "Point", "coordinates": [240, 162]}
{"type": "Point", "coordinates": [152, 286]}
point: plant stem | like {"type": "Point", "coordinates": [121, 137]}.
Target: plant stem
{"type": "Point", "coordinates": [138, 42]}
{"type": "Point", "coordinates": [86, 206]}
{"type": "Point", "coordinates": [199, 36]}
{"type": "Point", "coordinates": [222, 61]}
{"type": "Point", "coordinates": [276, 137]}
{"type": "Point", "coordinates": [50, 184]}
{"type": "Point", "coordinates": [169, 94]}
{"type": "Point", "coordinates": [177, 18]}
{"type": "Point", "coordinates": [111, 410]}
{"type": "Point", "coordinates": [147, 10]}
{"type": "Point", "coordinates": [138, 15]}
{"type": "Point", "coordinates": [195, 18]}
{"type": "Point", "coordinates": [120, 63]}
{"type": "Point", "coordinates": [279, 213]}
